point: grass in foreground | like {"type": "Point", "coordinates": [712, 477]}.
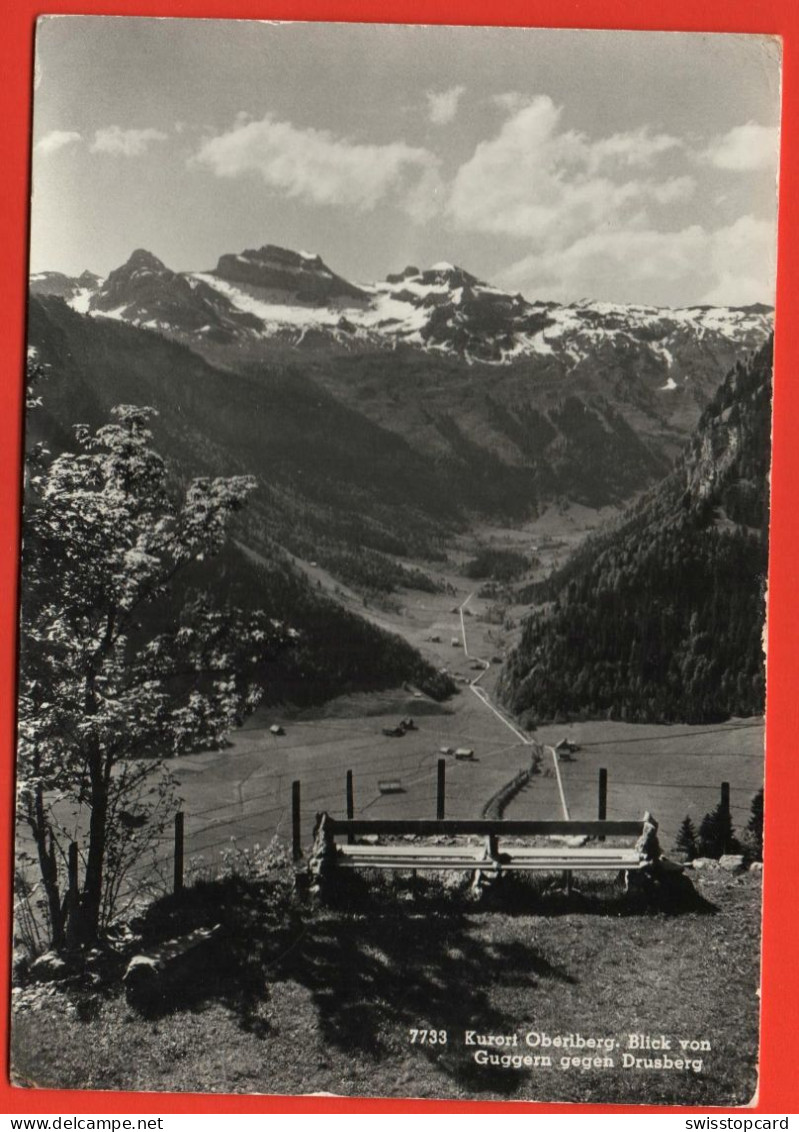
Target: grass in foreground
{"type": "Point", "coordinates": [327, 999]}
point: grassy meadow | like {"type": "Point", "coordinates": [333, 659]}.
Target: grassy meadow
{"type": "Point", "coordinates": [327, 1001]}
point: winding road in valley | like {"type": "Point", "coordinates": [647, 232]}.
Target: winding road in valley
{"type": "Point", "coordinates": [483, 697]}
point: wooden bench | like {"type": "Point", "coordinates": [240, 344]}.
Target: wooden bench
{"type": "Point", "coordinates": [487, 858]}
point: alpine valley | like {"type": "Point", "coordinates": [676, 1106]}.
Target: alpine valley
{"type": "Point", "coordinates": [394, 427]}
{"type": "Point", "coordinates": [660, 615]}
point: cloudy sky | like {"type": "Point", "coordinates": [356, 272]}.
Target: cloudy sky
{"type": "Point", "coordinates": [631, 167]}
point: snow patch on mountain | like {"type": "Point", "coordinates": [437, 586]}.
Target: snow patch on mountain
{"type": "Point", "coordinates": [272, 291]}
{"type": "Point", "coordinates": [81, 299]}
{"type": "Point", "coordinates": [270, 314]}
{"type": "Point", "coordinates": [117, 314]}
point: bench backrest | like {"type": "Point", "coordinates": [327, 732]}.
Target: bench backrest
{"type": "Point", "coordinates": [452, 827]}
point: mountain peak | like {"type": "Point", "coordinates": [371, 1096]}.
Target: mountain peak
{"type": "Point", "coordinates": [304, 276]}
{"type": "Point", "coordinates": [449, 274]}
{"type": "Point", "coordinates": [406, 273]}
{"type": "Point", "coordinates": [273, 254]}
{"type": "Point", "coordinates": [275, 291]}
{"type": "Point", "coordinates": [441, 274]}
{"type": "Point", "coordinates": [142, 260]}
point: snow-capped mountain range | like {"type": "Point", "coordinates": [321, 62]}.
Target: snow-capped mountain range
{"type": "Point", "coordinates": [272, 294]}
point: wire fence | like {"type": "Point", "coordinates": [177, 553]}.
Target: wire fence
{"type": "Point", "coordinates": [244, 826]}
{"type": "Point", "coordinates": [287, 808]}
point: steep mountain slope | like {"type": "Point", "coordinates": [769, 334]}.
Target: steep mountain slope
{"type": "Point", "coordinates": [332, 474]}
{"type": "Point", "coordinates": [146, 293]}
{"type": "Point", "coordinates": [323, 467]}
{"type": "Point", "coordinates": [77, 289]}
{"type": "Point", "coordinates": [516, 404]}
{"type": "Point", "coordinates": [335, 652]}
{"type": "Point", "coordinates": [661, 618]}
{"type": "Point", "coordinates": [206, 426]}
{"type": "Point", "coordinates": [287, 275]}
{"type": "Point", "coordinates": [294, 297]}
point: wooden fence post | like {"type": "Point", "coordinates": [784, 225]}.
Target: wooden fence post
{"type": "Point", "coordinates": [602, 811]}
{"type": "Point", "coordinates": [440, 789]}
{"type": "Point", "coordinates": [350, 804]}
{"type": "Point", "coordinates": [725, 809]}
{"type": "Point", "coordinates": [296, 841]}
{"type": "Point", "coordinates": [179, 829]}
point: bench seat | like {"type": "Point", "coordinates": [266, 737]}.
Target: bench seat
{"type": "Point", "coordinates": [592, 860]}
{"type": "Point", "coordinates": [494, 851]}
{"type": "Point", "coordinates": [471, 857]}
{"type": "Point", "coordinates": [410, 857]}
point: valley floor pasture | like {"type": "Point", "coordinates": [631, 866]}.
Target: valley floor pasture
{"type": "Point", "coordinates": [671, 770]}
{"type": "Point", "coordinates": [240, 796]}
{"type": "Point", "coordinates": [244, 792]}
{"type": "Point", "coordinates": [309, 999]}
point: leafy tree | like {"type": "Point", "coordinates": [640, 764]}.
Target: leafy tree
{"type": "Point", "coordinates": [686, 839]}
{"type": "Point", "coordinates": [112, 676]}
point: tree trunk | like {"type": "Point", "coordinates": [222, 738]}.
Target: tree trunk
{"type": "Point", "coordinates": [45, 848]}
{"type": "Point", "coordinates": [86, 911]}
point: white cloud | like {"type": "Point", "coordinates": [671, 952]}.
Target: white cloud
{"type": "Point", "coordinates": [424, 200]}
{"type": "Point", "coordinates": [673, 190]}
{"type": "Point", "coordinates": [588, 212]}
{"type": "Point", "coordinates": [57, 139]}
{"type": "Point", "coordinates": [537, 181]}
{"type": "Point", "coordinates": [729, 266]}
{"type": "Point", "coordinates": [320, 168]}
{"type": "Point", "coordinates": [127, 143]}
{"type": "Point", "coordinates": [743, 259]}
{"type": "Point", "coordinates": [744, 148]}
{"type": "Point", "coordinates": [442, 106]}
{"type": "Point", "coordinates": [636, 148]}
{"type": "Point", "coordinates": [596, 263]}
{"type": "Point", "coordinates": [511, 101]}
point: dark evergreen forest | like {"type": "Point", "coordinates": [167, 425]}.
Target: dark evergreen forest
{"type": "Point", "coordinates": [661, 617]}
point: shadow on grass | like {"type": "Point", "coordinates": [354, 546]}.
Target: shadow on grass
{"type": "Point", "coordinates": [258, 920]}
{"type": "Point", "coordinates": [377, 963]}
{"type": "Point", "coordinates": [385, 955]}
{"type": "Point", "coordinates": [377, 973]}
{"type": "Point", "coordinates": [671, 894]}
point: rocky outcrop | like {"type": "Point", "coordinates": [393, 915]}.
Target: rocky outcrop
{"type": "Point", "coordinates": [145, 292]}
{"type": "Point", "coordinates": [305, 278]}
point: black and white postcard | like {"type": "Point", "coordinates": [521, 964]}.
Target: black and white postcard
{"type": "Point", "coordinates": [395, 545]}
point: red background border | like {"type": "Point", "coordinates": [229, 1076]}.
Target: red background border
{"type": "Point", "coordinates": [779, 1091]}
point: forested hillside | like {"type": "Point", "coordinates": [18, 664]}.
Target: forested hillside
{"type": "Point", "coordinates": [309, 452]}
{"type": "Point", "coordinates": [334, 651]}
{"type": "Point", "coordinates": [293, 438]}
{"type": "Point", "coordinates": [661, 617]}
{"type": "Point", "coordinates": [460, 399]}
